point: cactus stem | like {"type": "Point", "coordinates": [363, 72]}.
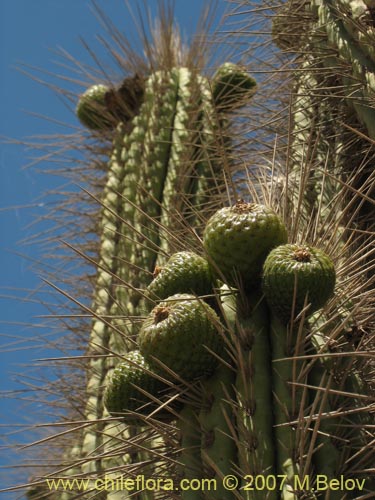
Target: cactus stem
{"type": "Point", "coordinates": [190, 458]}
{"type": "Point", "coordinates": [254, 392]}
{"type": "Point", "coordinates": [285, 403]}
{"type": "Point", "coordinates": [219, 452]}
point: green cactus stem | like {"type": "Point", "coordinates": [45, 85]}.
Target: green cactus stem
{"type": "Point", "coordinates": [333, 94]}
{"type": "Point", "coordinates": [237, 240]}
{"type": "Point", "coordinates": [218, 443]}
{"type": "Point", "coordinates": [256, 445]}
{"type": "Point", "coordinates": [348, 393]}
{"type": "Point", "coordinates": [217, 417]}
{"type": "Point", "coordinates": [190, 459]}
{"type": "Point", "coordinates": [286, 403]}
{"type": "Point", "coordinates": [354, 47]}
{"type": "Point", "coordinates": [326, 457]}
{"type": "Point", "coordinates": [294, 277]}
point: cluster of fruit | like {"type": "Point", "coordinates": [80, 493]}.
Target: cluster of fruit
{"type": "Point", "coordinates": [246, 248]}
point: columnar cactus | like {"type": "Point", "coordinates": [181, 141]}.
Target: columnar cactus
{"type": "Point", "coordinates": [330, 153]}
{"type": "Point", "coordinates": [228, 375]}
{"type": "Point", "coordinates": [154, 173]}
{"type": "Point", "coordinates": [164, 161]}
{"type": "Point", "coordinates": [333, 88]}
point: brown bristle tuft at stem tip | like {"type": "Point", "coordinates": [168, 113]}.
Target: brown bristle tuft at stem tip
{"type": "Point", "coordinates": [302, 255]}
{"type": "Point", "coordinates": [242, 207]}
{"type": "Point", "coordinates": [160, 314]}
{"type": "Point", "coordinates": [157, 271]}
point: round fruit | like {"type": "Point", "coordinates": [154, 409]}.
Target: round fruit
{"type": "Point", "coordinates": [92, 109]}
{"type": "Point", "coordinates": [132, 388]}
{"type": "Point", "coordinates": [232, 86]}
{"type": "Point", "coordinates": [238, 239]}
{"type": "Point", "coordinates": [185, 272]}
{"type": "Point", "coordinates": [297, 275]}
{"type": "Point", "coordinates": [180, 333]}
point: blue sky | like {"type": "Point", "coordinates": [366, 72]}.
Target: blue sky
{"type": "Point", "coordinates": [30, 33]}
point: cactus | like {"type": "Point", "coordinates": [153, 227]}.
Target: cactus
{"type": "Point", "coordinates": [237, 240]}
{"type": "Point", "coordinates": [260, 389]}
{"type": "Point", "coordinates": [332, 88]}
{"type": "Point", "coordinates": [161, 165]}
{"type": "Point", "coordinates": [257, 450]}
{"type": "Point", "coordinates": [148, 168]}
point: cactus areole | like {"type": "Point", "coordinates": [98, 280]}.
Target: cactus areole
{"type": "Point", "coordinates": [238, 239]}
{"type": "Point", "coordinates": [296, 276]}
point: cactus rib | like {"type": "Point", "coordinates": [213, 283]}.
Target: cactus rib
{"type": "Point", "coordinates": [254, 392]}
{"type": "Point", "coordinates": [285, 404]}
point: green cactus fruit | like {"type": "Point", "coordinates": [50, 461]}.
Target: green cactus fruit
{"type": "Point", "coordinates": [238, 239]}
{"type": "Point", "coordinates": [134, 391]}
{"type": "Point", "coordinates": [92, 109]}
{"type": "Point", "coordinates": [182, 333]}
{"type": "Point", "coordinates": [232, 86]}
{"type": "Point", "coordinates": [295, 275]}
{"type": "Point", "coordinates": [185, 272]}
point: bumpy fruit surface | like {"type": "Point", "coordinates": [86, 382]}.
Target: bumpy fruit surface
{"type": "Point", "coordinates": [307, 268]}
{"type": "Point", "coordinates": [185, 272]}
{"type": "Point", "coordinates": [180, 333]}
{"type": "Point", "coordinates": [238, 239]}
{"type": "Point", "coordinates": [232, 86]}
{"type": "Point", "coordinates": [128, 387]}
{"type": "Point", "coordinates": [91, 108]}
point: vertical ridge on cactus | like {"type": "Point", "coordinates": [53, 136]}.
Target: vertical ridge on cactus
{"type": "Point", "coordinates": [287, 404]}
{"type": "Point", "coordinates": [190, 455]}
{"type": "Point", "coordinates": [218, 444]}
{"type": "Point", "coordinates": [257, 450]}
